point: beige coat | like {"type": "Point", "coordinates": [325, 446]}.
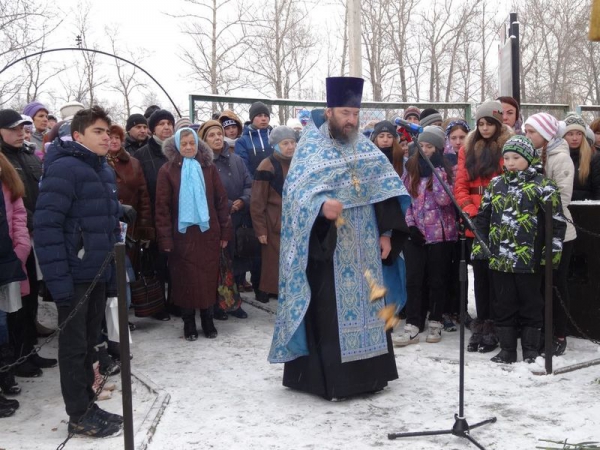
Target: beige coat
{"type": "Point", "coordinates": [560, 169]}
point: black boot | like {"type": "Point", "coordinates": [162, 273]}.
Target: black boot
{"type": "Point", "coordinates": [8, 384]}
{"type": "Point", "coordinates": [190, 332]}
{"type": "Point", "coordinates": [261, 296]}
{"type": "Point", "coordinates": [508, 343]}
{"type": "Point", "coordinates": [208, 326]}
{"type": "Point", "coordinates": [489, 338]}
{"type": "Point", "coordinates": [530, 342]}
{"type": "Point", "coordinates": [219, 314]}
{"type": "Point", "coordinates": [41, 362]}
{"type": "Point", "coordinates": [5, 410]}
{"type": "Point", "coordinates": [8, 403]}
{"type": "Point", "coordinates": [477, 334]}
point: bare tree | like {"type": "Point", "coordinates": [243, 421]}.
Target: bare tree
{"type": "Point", "coordinates": [23, 24]}
{"type": "Point", "coordinates": [280, 38]}
{"type": "Point", "coordinates": [375, 37]}
{"type": "Point", "coordinates": [215, 30]}
{"type": "Point", "coordinates": [466, 13]}
{"type": "Point", "coordinates": [39, 75]}
{"type": "Point", "coordinates": [90, 67]}
{"type": "Point", "coordinates": [556, 55]}
{"type": "Point", "coordinates": [399, 13]}
{"type": "Point", "coordinates": [129, 78]}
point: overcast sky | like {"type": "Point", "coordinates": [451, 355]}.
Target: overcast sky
{"type": "Point", "coordinates": [144, 24]}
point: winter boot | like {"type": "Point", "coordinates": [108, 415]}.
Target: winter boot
{"type": "Point", "coordinates": [410, 336]}
{"type": "Point", "coordinates": [108, 366]}
{"type": "Point", "coordinates": [435, 332]}
{"type": "Point", "coordinates": [489, 339]}
{"type": "Point", "coordinates": [530, 342]}
{"type": "Point", "coordinates": [8, 403]}
{"type": "Point", "coordinates": [559, 345]}
{"type": "Point", "coordinates": [219, 314]}
{"type": "Point", "coordinates": [8, 384]}
{"type": "Point", "coordinates": [477, 334]}
{"type": "Point", "coordinates": [508, 343]}
{"type": "Point", "coordinates": [449, 324]}
{"type": "Point", "coordinates": [261, 296]}
{"type": "Point", "coordinates": [206, 321]}
{"type": "Point", "coordinates": [190, 332]}
{"type": "Point", "coordinates": [7, 409]}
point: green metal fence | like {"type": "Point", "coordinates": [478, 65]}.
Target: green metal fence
{"type": "Point", "coordinates": [203, 106]}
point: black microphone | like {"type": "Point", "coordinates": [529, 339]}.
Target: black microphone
{"type": "Point", "coordinates": [409, 126]}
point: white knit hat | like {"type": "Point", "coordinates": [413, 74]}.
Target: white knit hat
{"type": "Point", "coordinates": [545, 124]}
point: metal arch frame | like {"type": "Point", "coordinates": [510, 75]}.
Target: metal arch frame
{"type": "Point", "coordinates": [82, 49]}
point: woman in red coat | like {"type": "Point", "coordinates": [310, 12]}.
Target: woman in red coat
{"type": "Point", "coordinates": [192, 225]}
{"type": "Point", "coordinates": [479, 161]}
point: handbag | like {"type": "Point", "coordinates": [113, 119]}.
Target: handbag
{"type": "Point", "coordinates": [228, 297]}
{"type": "Point", "coordinates": [111, 313]}
{"type": "Point", "coordinates": [247, 244]}
{"type": "Point", "coordinates": [147, 292]}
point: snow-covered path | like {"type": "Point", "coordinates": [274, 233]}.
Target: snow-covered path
{"type": "Point", "coordinates": [225, 395]}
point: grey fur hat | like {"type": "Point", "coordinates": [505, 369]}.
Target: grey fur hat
{"type": "Point", "coordinates": [433, 135]}
{"type": "Point", "coordinates": [281, 133]}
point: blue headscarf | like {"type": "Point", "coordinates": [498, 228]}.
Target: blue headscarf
{"type": "Point", "coordinates": [193, 207]}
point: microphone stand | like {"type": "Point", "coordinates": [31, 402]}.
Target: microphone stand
{"type": "Point", "coordinates": [461, 428]}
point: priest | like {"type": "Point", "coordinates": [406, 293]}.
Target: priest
{"type": "Point", "coordinates": [342, 217]}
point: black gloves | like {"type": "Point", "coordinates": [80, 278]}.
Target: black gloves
{"type": "Point", "coordinates": [416, 236]}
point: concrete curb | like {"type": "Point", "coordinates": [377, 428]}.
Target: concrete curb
{"type": "Point", "coordinates": [147, 428]}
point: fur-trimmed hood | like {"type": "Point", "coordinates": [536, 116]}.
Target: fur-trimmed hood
{"type": "Point", "coordinates": [204, 155]}
{"type": "Point", "coordinates": [228, 114]}
{"type": "Point", "coordinates": [505, 135]}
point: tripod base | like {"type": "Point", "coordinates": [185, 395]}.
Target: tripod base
{"type": "Point", "coordinates": [461, 429]}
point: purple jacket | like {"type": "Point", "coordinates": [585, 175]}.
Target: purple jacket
{"type": "Point", "coordinates": [432, 211]}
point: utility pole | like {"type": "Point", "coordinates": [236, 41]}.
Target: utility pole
{"type": "Point", "coordinates": [354, 38]}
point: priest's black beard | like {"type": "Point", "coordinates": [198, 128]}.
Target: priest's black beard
{"type": "Point", "coordinates": [340, 135]}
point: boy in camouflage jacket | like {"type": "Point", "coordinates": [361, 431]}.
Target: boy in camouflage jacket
{"type": "Point", "coordinates": [511, 221]}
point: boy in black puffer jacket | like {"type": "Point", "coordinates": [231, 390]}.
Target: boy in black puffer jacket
{"type": "Point", "coordinates": [76, 225]}
{"type": "Point", "coordinates": [511, 221]}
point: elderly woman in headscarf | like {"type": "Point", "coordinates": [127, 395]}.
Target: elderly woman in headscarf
{"type": "Point", "coordinates": [237, 182]}
{"type": "Point", "coordinates": [192, 225]}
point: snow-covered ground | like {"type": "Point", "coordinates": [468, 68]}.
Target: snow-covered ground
{"type": "Point", "coordinates": [225, 395]}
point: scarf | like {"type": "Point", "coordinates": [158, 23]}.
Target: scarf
{"type": "Point", "coordinates": [193, 207]}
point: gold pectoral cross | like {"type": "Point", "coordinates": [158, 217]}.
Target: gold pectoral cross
{"type": "Point", "coordinates": [356, 183]}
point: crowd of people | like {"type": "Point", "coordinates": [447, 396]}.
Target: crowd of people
{"type": "Point", "coordinates": [307, 210]}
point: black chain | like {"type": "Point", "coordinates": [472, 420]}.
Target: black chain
{"type": "Point", "coordinates": [588, 232]}
{"type": "Point", "coordinates": [566, 309]}
{"type": "Point", "coordinates": [61, 327]}
{"type": "Point", "coordinates": [89, 408]}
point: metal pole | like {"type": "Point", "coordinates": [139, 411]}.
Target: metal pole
{"type": "Point", "coordinates": [516, 58]}
{"type": "Point", "coordinates": [124, 347]}
{"type": "Point", "coordinates": [548, 289]}
{"type": "Point", "coordinates": [354, 37]}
